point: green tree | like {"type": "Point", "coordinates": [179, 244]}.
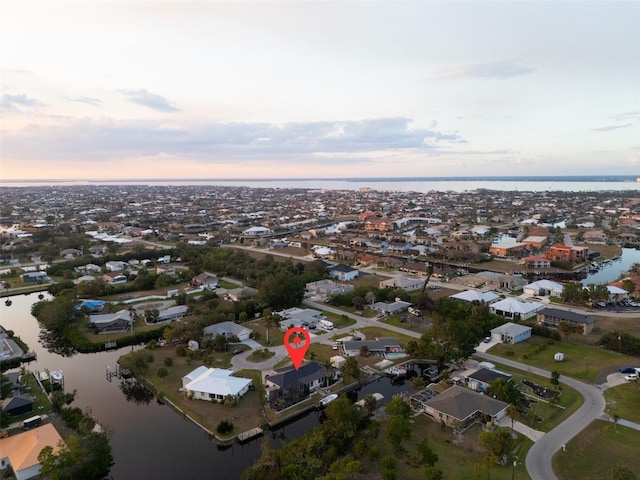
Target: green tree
{"type": "Point", "coordinates": [428, 457]}
{"type": "Point", "coordinates": [397, 406]}
{"type": "Point", "coordinates": [496, 443]}
{"type": "Point", "coordinates": [555, 377]}
{"type": "Point", "coordinates": [629, 285]}
{"type": "Point", "coordinates": [358, 302]}
{"type": "Point", "coordinates": [370, 403]}
{"type": "Point", "coordinates": [83, 458]}
{"type": "Point", "coordinates": [398, 429]}
{"type": "Point", "coordinates": [351, 368]}
{"type": "Point", "coordinates": [506, 391]}
{"type": "Point", "coordinates": [567, 328]}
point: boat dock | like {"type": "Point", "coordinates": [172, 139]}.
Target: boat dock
{"type": "Point", "coordinates": [249, 434]}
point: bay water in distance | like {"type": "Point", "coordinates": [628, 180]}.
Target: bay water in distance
{"type": "Point", "coordinates": [594, 183]}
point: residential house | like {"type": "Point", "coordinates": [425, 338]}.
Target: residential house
{"type": "Point", "coordinates": [344, 272]}
{"type": "Point", "coordinates": [93, 305]}
{"type": "Point", "coordinates": [567, 253]}
{"type": "Point", "coordinates": [390, 308]}
{"type": "Point", "coordinates": [228, 330]}
{"type": "Point", "coordinates": [240, 293]}
{"type": "Point", "coordinates": [115, 278]}
{"type": "Point", "coordinates": [17, 405]}
{"type": "Point", "coordinates": [287, 385]}
{"type": "Point", "coordinates": [511, 333]}
{"type": "Point", "coordinates": [459, 407]}
{"type": "Point", "coordinates": [405, 283]}
{"type": "Point", "coordinates": [536, 261]}
{"type": "Point", "coordinates": [544, 288]}
{"type": "Point", "coordinates": [69, 253]}
{"type": "Point", "coordinates": [328, 288]}
{"type": "Point", "coordinates": [471, 296]}
{"type": "Point", "coordinates": [507, 249]}
{"type": "Point", "coordinates": [115, 266]}
{"type": "Point", "coordinates": [30, 277]}
{"type": "Point", "coordinates": [172, 313]}
{"type": "Point", "coordinates": [617, 294]}
{"type": "Point", "coordinates": [214, 384]}
{"type": "Point", "coordinates": [379, 347]}
{"type": "Point", "coordinates": [535, 242]}
{"type": "Point", "coordinates": [21, 451]}
{"type": "Point", "coordinates": [551, 317]}
{"type": "Point", "coordinates": [111, 322]}
{"type": "Point", "coordinates": [299, 317]}
{"type": "Point", "coordinates": [205, 279]}
{"type": "Point", "coordinates": [165, 270]}
{"type": "Point", "coordinates": [513, 308]}
{"type": "Point", "coordinates": [481, 379]}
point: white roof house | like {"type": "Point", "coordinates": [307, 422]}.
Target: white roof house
{"type": "Point", "coordinates": [513, 308]}
{"type": "Point", "coordinates": [475, 296]}
{"type": "Point", "coordinates": [256, 231]}
{"type": "Point", "coordinates": [544, 287]}
{"type": "Point", "coordinates": [214, 384]}
{"type": "Point", "coordinates": [616, 293]}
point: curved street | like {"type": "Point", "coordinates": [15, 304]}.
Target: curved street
{"type": "Point", "coordinates": [539, 459]}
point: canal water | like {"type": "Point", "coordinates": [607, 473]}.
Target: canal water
{"type": "Point", "coordinates": [615, 268]}
{"type": "Point", "coordinates": [150, 441]}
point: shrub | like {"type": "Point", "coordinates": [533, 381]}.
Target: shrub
{"type": "Point", "coordinates": [224, 427]}
{"type": "Point", "coordinates": [168, 361]}
{"type": "Point", "coordinates": [181, 350]}
{"type": "Point", "coordinates": [163, 372]}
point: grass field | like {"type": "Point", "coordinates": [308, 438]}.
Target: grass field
{"type": "Point", "coordinates": [457, 454]}
{"type": "Point", "coordinates": [623, 401]}
{"type": "Point", "coordinates": [594, 453]}
{"type": "Point", "coordinates": [582, 362]}
{"type": "Point", "coordinates": [373, 332]}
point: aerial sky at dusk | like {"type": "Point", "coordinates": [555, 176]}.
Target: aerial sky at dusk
{"type": "Point", "coordinates": [154, 89]}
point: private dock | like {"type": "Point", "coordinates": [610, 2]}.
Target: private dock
{"type": "Point", "coordinates": [249, 434]}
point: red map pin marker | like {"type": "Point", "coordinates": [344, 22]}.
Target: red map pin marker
{"type": "Point", "coordinates": [297, 350]}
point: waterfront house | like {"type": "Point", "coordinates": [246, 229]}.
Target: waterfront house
{"type": "Point", "coordinates": [111, 322]}
{"type": "Point", "coordinates": [17, 405]}
{"type": "Point", "coordinates": [286, 386]}
{"type": "Point", "coordinates": [379, 347]}
{"type": "Point", "coordinates": [214, 384]}
{"type": "Point", "coordinates": [458, 407]}
{"type": "Point", "coordinates": [21, 451]}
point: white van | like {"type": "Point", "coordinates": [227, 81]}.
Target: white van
{"type": "Point", "coordinates": [326, 324]}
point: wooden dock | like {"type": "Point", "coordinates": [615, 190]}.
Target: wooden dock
{"type": "Point", "coordinates": [249, 434]}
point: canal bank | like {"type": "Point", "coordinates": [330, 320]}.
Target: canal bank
{"type": "Point", "coordinates": [148, 438]}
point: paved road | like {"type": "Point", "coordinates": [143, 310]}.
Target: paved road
{"type": "Point", "coordinates": [539, 458]}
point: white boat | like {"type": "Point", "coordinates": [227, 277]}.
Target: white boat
{"type": "Point", "coordinates": [57, 376]}
{"type": "Point", "coordinates": [328, 399]}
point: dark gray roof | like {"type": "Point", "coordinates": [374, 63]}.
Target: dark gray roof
{"type": "Point", "coordinates": [486, 375]}
{"type": "Point", "coordinates": [307, 373]}
{"type": "Point", "coordinates": [372, 345]}
{"type": "Point", "coordinates": [341, 267]}
{"type": "Point", "coordinates": [461, 403]}
{"type": "Point", "coordinates": [567, 315]}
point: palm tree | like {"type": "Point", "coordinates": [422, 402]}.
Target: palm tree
{"type": "Point", "coordinates": [132, 316]}
{"type": "Point", "coordinates": [513, 414]}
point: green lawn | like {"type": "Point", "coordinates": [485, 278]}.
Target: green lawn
{"type": "Point", "coordinates": [594, 453]}
{"type": "Point", "coordinates": [339, 321]}
{"type": "Point", "coordinates": [373, 332]}
{"type": "Point", "coordinates": [623, 401]}
{"type": "Point", "coordinates": [258, 356]}
{"type": "Point", "coordinates": [227, 285]}
{"type": "Point", "coordinates": [457, 454]}
{"type": "Point", "coordinates": [550, 414]}
{"type": "Point", "coordinates": [582, 362]}
{"type": "Point", "coordinates": [411, 323]}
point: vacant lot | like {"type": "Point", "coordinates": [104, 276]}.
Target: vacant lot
{"type": "Point", "coordinates": [594, 453]}
{"type": "Point", "coordinates": [623, 401]}
{"type": "Point", "coordinates": [582, 362]}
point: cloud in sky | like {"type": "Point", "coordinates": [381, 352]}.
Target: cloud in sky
{"type": "Point", "coordinates": [93, 140]}
{"type": "Point", "coordinates": [499, 70]}
{"type": "Point", "coordinates": [148, 99]}
{"type": "Point", "coordinates": [88, 100]}
{"type": "Point", "coordinates": [11, 103]}
{"type": "Point", "coordinates": [291, 87]}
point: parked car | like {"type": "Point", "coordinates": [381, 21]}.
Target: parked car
{"type": "Point", "coordinates": [626, 370]}
{"type": "Point", "coordinates": [632, 377]}
{"type": "Point", "coordinates": [237, 351]}
{"type": "Point", "coordinates": [334, 346]}
{"type": "Point", "coordinates": [487, 339]}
